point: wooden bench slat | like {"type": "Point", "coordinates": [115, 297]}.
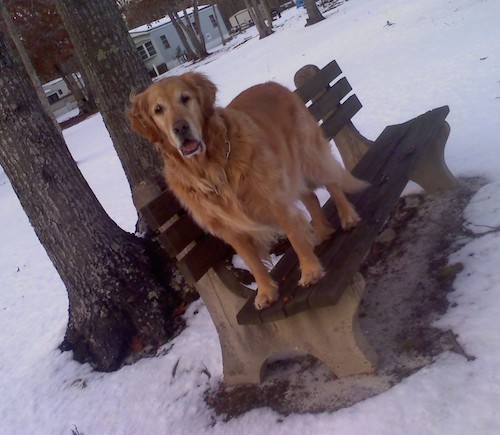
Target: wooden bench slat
{"type": "Point", "coordinates": [294, 298]}
{"type": "Point", "coordinates": [332, 125]}
{"type": "Point", "coordinates": [179, 235]}
{"type": "Point", "coordinates": [329, 289]}
{"type": "Point", "coordinates": [205, 254]}
{"type": "Point", "coordinates": [161, 209]}
{"type": "Point", "coordinates": [320, 82]}
{"type": "Point", "coordinates": [393, 179]}
{"type": "Point", "coordinates": [329, 101]}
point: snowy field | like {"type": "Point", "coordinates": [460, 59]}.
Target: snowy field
{"type": "Point", "coordinates": [434, 53]}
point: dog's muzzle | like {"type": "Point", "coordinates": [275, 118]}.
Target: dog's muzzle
{"type": "Point", "coordinates": [189, 145]}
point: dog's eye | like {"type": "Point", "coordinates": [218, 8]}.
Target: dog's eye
{"type": "Point", "coordinates": [185, 98]}
{"type": "Point", "coordinates": [158, 109]}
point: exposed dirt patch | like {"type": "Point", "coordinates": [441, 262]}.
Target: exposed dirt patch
{"type": "Point", "coordinates": [407, 282]}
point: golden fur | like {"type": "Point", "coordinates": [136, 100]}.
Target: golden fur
{"type": "Point", "coordinates": [240, 170]}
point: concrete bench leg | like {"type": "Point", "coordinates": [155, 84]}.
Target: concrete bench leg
{"type": "Point", "coordinates": [331, 334]}
{"type": "Point", "coordinates": [431, 171]}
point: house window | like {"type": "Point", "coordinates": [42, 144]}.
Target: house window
{"type": "Point", "coordinates": [146, 50]}
{"type": "Point", "coordinates": [213, 20]}
{"type": "Point", "coordinates": [165, 42]}
{"type": "Point", "coordinates": [162, 68]}
{"type": "Point", "coordinates": [53, 98]}
{"type": "Point", "coordinates": [158, 70]}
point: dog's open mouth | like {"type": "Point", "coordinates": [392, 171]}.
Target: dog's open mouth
{"type": "Point", "coordinates": [190, 147]}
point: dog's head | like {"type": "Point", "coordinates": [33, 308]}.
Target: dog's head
{"type": "Point", "coordinates": [171, 113]}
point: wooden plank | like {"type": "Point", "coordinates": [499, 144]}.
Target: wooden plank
{"type": "Point", "coordinates": [319, 82]}
{"type": "Point", "coordinates": [343, 262]}
{"type": "Point", "coordinates": [205, 254]}
{"type": "Point", "coordinates": [298, 297]}
{"type": "Point", "coordinates": [329, 101]}
{"type": "Point", "coordinates": [348, 249]}
{"type": "Point", "coordinates": [332, 125]}
{"type": "Point", "coordinates": [293, 298]}
{"type": "Point", "coordinates": [160, 209]}
{"type": "Point", "coordinates": [179, 235]}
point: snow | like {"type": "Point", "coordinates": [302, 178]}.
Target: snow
{"type": "Point", "coordinates": [435, 53]}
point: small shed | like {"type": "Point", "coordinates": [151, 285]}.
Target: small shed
{"type": "Point", "coordinates": [241, 20]}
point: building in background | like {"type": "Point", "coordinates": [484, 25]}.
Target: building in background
{"type": "Point", "coordinates": [160, 46]}
{"type": "Point", "coordinates": [60, 98]}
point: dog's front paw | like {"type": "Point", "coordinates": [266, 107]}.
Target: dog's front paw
{"type": "Point", "coordinates": [311, 276]}
{"type": "Point", "coordinates": [266, 299]}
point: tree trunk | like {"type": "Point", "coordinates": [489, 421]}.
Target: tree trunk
{"type": "Point", "coordinates": [114, 69]}
{"type": "Point", "coordinates": [267, 12]}
{"type": "Point", "coordinates": [84, 84]}
{"type": "Point", "coordinates": [199, 35]}
{"type": "Point", "coordinates": [195, 42]}
{"type": "Point", "coordinates": [67, 74]}
{"type": "Point", "coordinates": [212, 3]}
{"type": "Point", "coordinates": [174, 18]}
{"type": "Point", "coordinates": [12, 36]}
{"type": "Point", "coordinates": [313, 13]}
{"type": "Point", "coordinates": [253, 9]}
{"type": "Point", "coordinates": [115, 302]}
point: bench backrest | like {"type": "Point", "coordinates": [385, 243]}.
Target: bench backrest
{"type": "Point", "coordinates": [327, 92]}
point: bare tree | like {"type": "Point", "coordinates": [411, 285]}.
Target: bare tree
{"type": "Point", "coordinates": [195, 35]}
{"type": "Point", "coordinates": [212, 3]}
{"type": "Point", "coordinates": [254, 11]}
{"type": "Point", "coordinates": [11, 34]}
{"type": "Point", "coordinates": [114, 70]}
{"type": "Point", "coordinates": [313, 13]}
{"type": "Point", "coordinates": [117, 305]}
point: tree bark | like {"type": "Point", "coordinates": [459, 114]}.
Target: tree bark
{"type": "Point", "coordinates": [186, 25]}
{"type": "Point", "coordinates": [253, 10]}
{"type": "Point", "coordinates": [116, 304]}
{"type": "Point", "coordinates": [12, 35]}
{"type": "Point", "coordinates": [313, 13]}
{"type": "Point", "coordinates": [174, 18]}
{"type": "Point", "coordinates": [114, 70]}
{"type": "Point", "coordinates": [200, 36]}
{"type": "Point", "coordinates": [267, 12]}
{"type": "Point", "coordinates": [66, 74]}
{"type": "Point", "coordinates": [212, 3]}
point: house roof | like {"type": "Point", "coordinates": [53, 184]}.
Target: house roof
{"type": "Point", "coordinates": [162, 21]}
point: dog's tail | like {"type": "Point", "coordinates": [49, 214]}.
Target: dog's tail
{"type": "Point", "coordinates": [351, 184]}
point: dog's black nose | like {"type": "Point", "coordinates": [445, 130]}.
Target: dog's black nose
{"type": "Point", "coordinates": [181, 127]}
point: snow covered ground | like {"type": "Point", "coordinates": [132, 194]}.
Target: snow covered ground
{"type": "Point", "coordinates": [434, 53]}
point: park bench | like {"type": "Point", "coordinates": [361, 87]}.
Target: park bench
{"type": "Point", "coordinates": [320, 320]}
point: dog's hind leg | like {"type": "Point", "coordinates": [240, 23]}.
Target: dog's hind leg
{"type": "Point", "coordinates": [301, 237]}
{"type": "Point", "coordinates": [349, 218]}
{"type": "Point", "coordinates": [322, 228]}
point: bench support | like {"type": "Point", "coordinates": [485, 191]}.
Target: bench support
{"type": "Point", "coordinates": [332, 334]}
{"type": "Point", "coordinates": [431, 171]}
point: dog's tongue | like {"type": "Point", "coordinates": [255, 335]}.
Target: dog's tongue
{"type": "Point", "coordinates": [190, 146]}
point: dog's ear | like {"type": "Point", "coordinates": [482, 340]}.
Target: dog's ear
{"type": "Point", "coordinates": [139, 119]}
{"type": "Point", "coordinates": [205, 90]}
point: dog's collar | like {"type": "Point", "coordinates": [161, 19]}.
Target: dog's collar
{"type": "Point", "coordinates": [226, 140]}
{"type": "Point", "coordinates": [228, 153]}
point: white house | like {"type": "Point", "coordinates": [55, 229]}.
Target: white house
{"type": "Point", "coordinates": [60, 98]}
{"type": "Point", "coordinates": [160, 46]}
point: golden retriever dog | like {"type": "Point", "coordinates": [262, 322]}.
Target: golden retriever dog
{"type": "Point", "coordinates": [241, 170]}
